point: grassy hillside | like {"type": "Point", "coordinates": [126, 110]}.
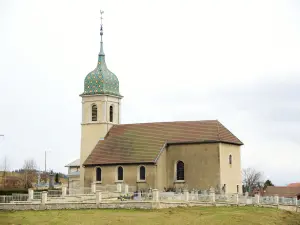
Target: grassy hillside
{"type": "Point", "coordinates": [197, 215]}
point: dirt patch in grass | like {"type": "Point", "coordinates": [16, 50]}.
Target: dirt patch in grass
{"type": "Point", "coordinates": [191, 216]}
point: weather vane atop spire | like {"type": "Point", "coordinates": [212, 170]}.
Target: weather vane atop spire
{"type": "Point", "coordinates": [101, 27]}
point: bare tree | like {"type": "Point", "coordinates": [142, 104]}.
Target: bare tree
{"type": "Point", "coordinates": [29, 175]}
{"type": "Point", "coordinates": [252, 179]}
{"type": "Point", "coordinates": [5, 169]}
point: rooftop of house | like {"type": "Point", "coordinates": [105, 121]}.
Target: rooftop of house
{"type": "Point", "coordinates": [294, 185]}
{"type": "Point", "coordinates": [282, 191]}
{"type": "Point", "coordinates": [143, 142]}
{"type": "Point", "coordinates": [75, 163]}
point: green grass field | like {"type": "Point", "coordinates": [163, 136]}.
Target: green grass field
{"type": "Point", "coordinates": [197, 215]}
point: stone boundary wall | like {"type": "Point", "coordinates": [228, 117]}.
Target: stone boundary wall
{"type": "Point", "coordinates": [126, 205]}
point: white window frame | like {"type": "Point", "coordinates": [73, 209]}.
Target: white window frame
{"type": "Point", "coordinates": [175, 173]}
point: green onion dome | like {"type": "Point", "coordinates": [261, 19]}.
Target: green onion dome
{"type": "Point", "coordinates": [101, 80]}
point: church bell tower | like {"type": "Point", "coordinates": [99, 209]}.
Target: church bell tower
{"type": "Point", "coordinates": [101, 102]}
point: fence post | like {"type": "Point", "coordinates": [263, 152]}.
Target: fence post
{"type": "Point", "coordinates": [119, 187]}
{"type": "Point", "coordinates": [236, 198]}
{"type": "Point", "coordinates": [44, 197]}
{"type": "Point", "coordinates": [30, 194]}
{"type": "Point", "coordinates": [186, 195]}
{"type": "Point", "coordinates": [295, 200]}
{"type": "Point", "coordinates": [276, 200]}
{"type": "Point", "coordinates": [93, 187]}
{"type": "Point", "coordinates": [212, 197]}
{"type": "Point", "coordinates": [98, 197]}
{"type": "Point", "coordinates": [139, 195]}
{"type": "Point", "coordinates": [256, 197]}
{"type": "Point", "coordinates": [155, 195]}
{"type": "Point", "coordinates": [63, 191]}
{"type": "Point", "coordinates": [196, 195]}
{"type": "Point", "coordinates": [126, 189]}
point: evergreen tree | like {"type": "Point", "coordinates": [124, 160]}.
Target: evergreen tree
{"type": "Point", "coordinates": [268, 183]}
{"type": "Point", "coordinates": [56, 178]}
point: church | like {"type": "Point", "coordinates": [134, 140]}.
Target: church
{"type": "Point", "coordinates": [162, 155]}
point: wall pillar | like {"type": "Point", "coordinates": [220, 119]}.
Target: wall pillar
{"type": "Point", "coordinates": [93, 187]}
{"type": "Point", "coordinates": [196, 195]}
{"type": "Point", "coordinates": [104, 119]}
{"type": "Point", "coordinates": [126, 189]}
{"type": "Point", "coordinates": [44, 197]}
{"type": "Point", "coordinates": [30, 194]}
{"type": "Point", "coordinates": [236, 198]}
{"type": "Point", "coordinates": [186, 195]}
{"type": "Point", "coordinates": [282, 200]}
{"type": "Point", "coordinates": [119, 111]}
{"type": "Point", "coordinates": [295, 201]}
{"type": "Point", "coordinates": [276, 200]}
{"type": "Point", "coordinates": [212, 197]}
{"type": "Point", "coordinates": [63, 191]}
{"type": "Point", "coordinates": [98, 197]}
{"type": "Point", "coordinates": [155, 194]}
{"type": "Point", "coordinates": [256, 197]}
{"type": "Point", "coordinates": [139, 195]}
{"type": "Point", "coordinates": [119, 187]}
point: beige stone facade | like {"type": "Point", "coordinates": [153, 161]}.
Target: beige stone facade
{"type": "Point", "coordinates": [93, 131]}
{"type": "Point", "coordinates": [205, 166]}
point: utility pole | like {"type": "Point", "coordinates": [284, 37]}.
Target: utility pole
{"type": "Point", "coordinates": [46, 159]}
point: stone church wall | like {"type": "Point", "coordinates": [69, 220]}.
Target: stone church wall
{"type": "Point", "coordinates": [130, 173]}
{"type": "Point", "coordinates": [201, 165]}
{"type": "Point", "coordinates": [231, 173]}
{"type": "Point", "coordinates": [162, 171]}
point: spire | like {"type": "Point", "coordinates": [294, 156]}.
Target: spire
{"type": "Point", "coordinates": [101, 34]}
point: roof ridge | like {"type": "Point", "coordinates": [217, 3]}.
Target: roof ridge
{"type": "Point", "coordinates": [230, 131]}
{"type": "Point", "coordinates": [166, 122]}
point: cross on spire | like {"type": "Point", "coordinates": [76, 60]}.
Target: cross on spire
{"type": "Point", "coordinates": [101, 26]}
{"type": "Point", "coordinates": [101, 12]}
{"type": "Point", "coordinates": [101, 34]}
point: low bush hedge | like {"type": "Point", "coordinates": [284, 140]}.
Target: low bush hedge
{"type": "Point", "coordinates": [11, 191]}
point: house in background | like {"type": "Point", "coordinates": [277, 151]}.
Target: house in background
{"type": "Point", "coordinates": [73, 174]}
{"type": "Point", "coordinates": [289, 191]}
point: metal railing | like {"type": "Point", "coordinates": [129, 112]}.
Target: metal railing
{"type": "Point", "coordinates": [54, 193]}
{"type": "Point", "coordinates": [13, 197]}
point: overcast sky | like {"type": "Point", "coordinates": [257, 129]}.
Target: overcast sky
{"type": "Point", "coordinates": [235, 61]}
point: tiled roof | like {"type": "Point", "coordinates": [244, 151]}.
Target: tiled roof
{"type": "Point", "coordinates": [74, 163]}
{"type": "Point", "coordinates": [294, 185]}
{"type": "Point", "coordinates": [141, 143]}
{"type": "Point", "coordinates": [282, 191]}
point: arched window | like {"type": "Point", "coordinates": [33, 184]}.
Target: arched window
{"type": "Point", "coordinates": [120, 173]}
{"type": "Point", "coordinates": [94, 113]}
{"type": "Point", "coordinates": [142, 173]}
{"type": "Point", "coordinates": [180, 170]}
{"type": "Point", "coordinates": [230, 159]}
{"type": "Point", "coordinates": [98, 174]}
{"type": "Point", "coordinates": [111, 113]}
